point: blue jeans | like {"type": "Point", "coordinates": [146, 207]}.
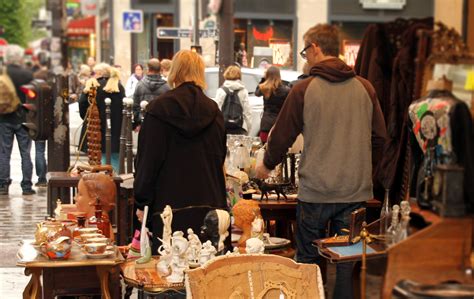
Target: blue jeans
{"type": "Point", "coordinates": [7, 133]}
{"type": "Point", "coordinates": [312, 220]}
{"type": "Point", "coordinates": [40, 160]}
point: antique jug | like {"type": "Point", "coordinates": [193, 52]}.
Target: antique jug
{"type": "Point", "coordinates": [58, 249]}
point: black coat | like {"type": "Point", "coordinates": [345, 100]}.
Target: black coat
{"type": "Point", "coordinates": [272, 106]}
{"type": "Point", "coordinates": [115, 112]}
{"type": "Point", "coordinates": [19, 76]}
{"type": "Point", "coordinates": [180, 159]}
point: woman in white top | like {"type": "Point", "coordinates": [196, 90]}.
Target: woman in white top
{"type": "Point", "coordinates": [133, 80]}
{"type": "Point", "coordinates": [233, 83]}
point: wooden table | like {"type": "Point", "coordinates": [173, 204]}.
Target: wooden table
{"type": "Point", "coordinates": [77, 275]}
{"type": "Point", "coordinates": [147, 280]}
{"type": "Point", "coordinates": [62, 185]}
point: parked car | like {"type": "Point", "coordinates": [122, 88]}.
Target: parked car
{"type": "Point", "coordinates": [251, 78]}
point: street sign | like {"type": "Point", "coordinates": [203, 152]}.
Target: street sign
{"type": "Point", "coordinates": [177, 33]}
{"type": "Point", "coordinates": [132, 21]}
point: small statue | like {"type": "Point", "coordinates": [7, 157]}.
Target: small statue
{"type": "Point", "coordinates": [235, 251]}
{"type": "Point", "coordinates": [145, 248]}
{"type": "Point", "coordinates": [258, 227]}
{"type": "Point", "coordinates": [216, 228]}
{"type": "Point", "coordinates": [167, 217]}
{"type": "Point", "coordinates": [254, 246]}
{"type": "Point", "coordinates": [245, 212]}
{"type": "Point", "coordinates": [402, 232]}
{"type": "Point", "coordinates": [194, 248]}
{"type": "Point", "coordinates": [208, 252]}
{"type": "Point", "coordinates": [265, 188]}
{"type": "Point", "coordinates": [179, 262]}
{"type": "Point", "coordinates": [57, 211]}
{"type": "Point", "coordinates": [393, 228]}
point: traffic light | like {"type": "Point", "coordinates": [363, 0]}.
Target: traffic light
{"type": "Point", "coordinates": [39, 106]}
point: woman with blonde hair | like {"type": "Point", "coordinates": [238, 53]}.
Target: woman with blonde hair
{"type": "Point", "coordinates": [274, 93]}
{"type": "Point", "coordinates": [181, 150]}
{"type": "Point", "coordinates": [107, 81]}
{"type": "Point", "coordinates": [237, 116]}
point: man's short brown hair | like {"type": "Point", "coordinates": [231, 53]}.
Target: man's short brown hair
{"type": "Point", "coordinates": [154, 65]}
{"type": "Point", "coordinates": [325, 36]}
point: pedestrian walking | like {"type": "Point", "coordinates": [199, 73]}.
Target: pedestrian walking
{"type": "Point", "coordinates": [40, 145]}
{"type": "Point", "coordinates": [181, 151]}
{"type": "Point", "coordinates": [133, 80]}
{"type": "Point", "coordinates": [274, 93]}
{"type": "Point", "coordinates": [150, 87]}
{"type": "Point", "coordinates": [233, 100]}
{"type": "Point", "coordinates": [165, 68]}
{"type": "Point", "coordinates": [343, 128]}
{"type": "Point", "coordinates": [12, 115]}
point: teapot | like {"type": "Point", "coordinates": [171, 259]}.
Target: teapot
{"type": "Point", "coordinates": [50, 230]}
{"type": "Point", "coordinates": [59, 249]}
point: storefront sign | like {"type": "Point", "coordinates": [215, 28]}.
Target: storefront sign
{"type": "Point", "coordinates": [132, 21]}
{"type": "Point", "coordinates": [89, 7]}
{"type": "Point", "coordinates": [350, 51]}
{"type": "Point", "coordinates": [383, 4]}
{"type": "Point", "coordinates": [177, 33]}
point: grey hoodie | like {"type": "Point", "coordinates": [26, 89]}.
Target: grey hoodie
{"type": "Point", "coordinates": [147, 89]}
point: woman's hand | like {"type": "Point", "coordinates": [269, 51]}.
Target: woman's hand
{"type": "Point", "coordinates": [140, 215]}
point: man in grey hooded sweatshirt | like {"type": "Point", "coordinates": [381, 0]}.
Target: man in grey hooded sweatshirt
{"type": "Point", "coordinates": [148, 88]}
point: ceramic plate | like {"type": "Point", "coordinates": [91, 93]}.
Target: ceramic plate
{"type": "Point", "coordinates": [104, 255]}
{"type": "Point", "coordinates": [277, 243]}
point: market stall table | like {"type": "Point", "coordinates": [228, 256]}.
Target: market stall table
{"type": "Point", "coordinates": [77, 275]}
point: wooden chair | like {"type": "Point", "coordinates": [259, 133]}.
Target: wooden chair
{"type": "Point", "coordinates": [254, 276]}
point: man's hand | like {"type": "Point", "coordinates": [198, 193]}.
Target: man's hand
{"type": "Point", "coordinates": [140, 215]}
{"type": "Point", "coordinates": [261, 171]}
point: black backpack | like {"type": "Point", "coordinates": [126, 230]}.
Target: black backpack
{"type": "Point", "coordinates": [232, 110]}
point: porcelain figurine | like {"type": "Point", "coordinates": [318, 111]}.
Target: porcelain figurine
{"type": "Point", "coordinates": [245, 212]}
{"type": "Point", "coordinates": [216, 228]}
{"type": "Point", "coordinates": [258, 227]}
{"type": "Point", "coordinates": [194, 248]}
{"type": "Point", "coordinates": [179, 262]}
{"type": "Point", "coordinates": [254, 246]}
{"type": "Point", "coordinates": [208, 252]}
{"type": "Point", "coordinates": [163, 266]}
{"type": "Point", "coordinates": [223, 226]}
{"type": "Point", "coordinates": [167, 218]}
{"type": "Point", "coordinates": [145, 248]}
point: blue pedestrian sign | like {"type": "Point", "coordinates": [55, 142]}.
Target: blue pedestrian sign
{"type": "Point", "coordinates": [132, 21]}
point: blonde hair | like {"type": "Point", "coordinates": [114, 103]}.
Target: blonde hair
{"type": "Point", "coordinates": [272, 81]}
{"type": "Point", "coordinates": [91, 82]}
{"type": "Point", "coordinates": [165, 64]}
{"type": "Point", "coordinates": [112, 85]}
{"type": "Point", "coordinates": [233, 73]}
{"type": "Point", "coordinates": [187, 66]}
{"type": "Point", "coordinates": [84, 70]}
{"type": "Point", "coordinates": [103, 69]}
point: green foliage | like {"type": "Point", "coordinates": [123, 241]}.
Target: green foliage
{"type": "Point", "coordinates": [16, 17]}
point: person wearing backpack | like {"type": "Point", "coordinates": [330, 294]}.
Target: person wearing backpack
{"type": "Point", "coordinates": [274, 93]}
{"type": "Point", "coordinates": [12, 115]}
{"type": "Point", "coordinates": [233, 100]}
{"type": "Point", "coordinates": [148, 88]}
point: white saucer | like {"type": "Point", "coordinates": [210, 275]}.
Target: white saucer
{"type": "Point", "coordinates": [277, 243]}
{"type": "Point", "coordinates": [106, 254]}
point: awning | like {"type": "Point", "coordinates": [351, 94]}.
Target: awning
{"type": "Point", "coordinates": [83, 26]}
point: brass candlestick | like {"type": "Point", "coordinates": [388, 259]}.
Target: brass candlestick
{"type": "Point", "coordinates": [366, 238]}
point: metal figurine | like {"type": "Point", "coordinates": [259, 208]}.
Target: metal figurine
{"type": "Point", "coordinates": [94, 136]}
{"type": "Point", "coordinates": [123, 138]}
{"type": "Point", "coordinates": [128, 135]}
{"type": "Point", "coordinates": [108, 134]}
{"type": "Point", "coordinates": [143, 105]}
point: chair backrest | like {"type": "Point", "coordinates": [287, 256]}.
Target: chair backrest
{"type": "Point", "coordinates": [254, 276]}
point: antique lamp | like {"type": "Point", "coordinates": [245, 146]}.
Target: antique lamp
{"type": "Point", "coordinates": [470, 86]}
